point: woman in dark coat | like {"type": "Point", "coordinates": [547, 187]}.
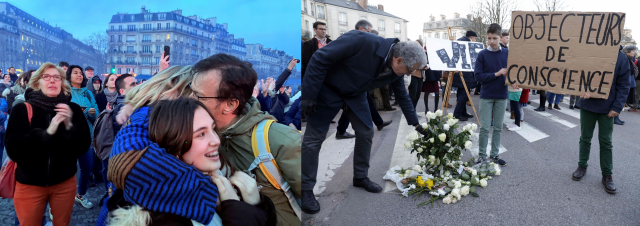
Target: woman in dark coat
{"type": "Point", "coordinates": [45, 147]}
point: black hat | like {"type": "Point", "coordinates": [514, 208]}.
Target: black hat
{"type": "Point", "coordinates": [471, 34]}
{"type": "Point", "coordinates": [88, 68]}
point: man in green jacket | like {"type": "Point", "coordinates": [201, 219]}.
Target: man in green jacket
{"type": "Point", "coordinates": [225, 85]}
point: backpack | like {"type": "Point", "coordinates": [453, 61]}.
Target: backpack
{"type": "Point", "coordinates": [103, 135]}
{"type": "Point", "coordinates": [267, 164]}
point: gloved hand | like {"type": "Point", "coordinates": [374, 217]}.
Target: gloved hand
{"type": "Point", "coordinates": [308, 107]}
{"type": "Point", "coordinates": [424, 132]}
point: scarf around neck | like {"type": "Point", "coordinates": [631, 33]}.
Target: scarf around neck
{"type": "Point", "coordinates": [111, 96]}
{"type": "Point", "coordinates": [38, 99]}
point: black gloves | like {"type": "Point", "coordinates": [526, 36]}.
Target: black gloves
{"type": "Point", "coordinates": [308, 107]}
{"type": "Point", "coordinates": [424, 132]}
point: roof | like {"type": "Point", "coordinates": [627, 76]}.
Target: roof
{"type": "Point", "coordinates": [445, 22]}
{"type": "Point", "coordinates": [169, 16]}
{"type": "Point", "coordinates": [355, 6]}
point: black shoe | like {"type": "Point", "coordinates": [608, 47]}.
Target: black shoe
{"type": "Point", "coordinates": [388, 109]}
{"type": "Point", "coordinates": [499, 161]}
{"type": "Point", "coordinates": [576, 107]}
{"type": "Point", "coordinates": [618, 122]}
{"type": "Point", "coordinates": [309, 203]}
{"type": "Point", "coordinates": [346, 135]}
{"type": "Point", "coordinates": [579, 173]}
{"type": "Point", "coordinates": [386, 123]}
{"type": "Point", "coordinates": [367, 185]}
{"type": "Point", "coordinates": [541, 108]}
{"type": "Point", "coordinates": [461, 118]}
{"type": "Point", "coordinates": [476, 93]}
{"type": "Point", "coordinates": [480, 160]}
{"type": "Point", "coordinates": [609, 187]}
{"type": "Point", "coordinates": [395, 103]}
{"type": "Point", "coordinates": [467, 115]}
{"type": "Point", "coordinates": [570, 106]}
{"type": "Point", "coordinates": [333, 121]}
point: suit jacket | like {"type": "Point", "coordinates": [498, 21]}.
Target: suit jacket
{"type": "Point", "coordinates": [308, 48]}
{"type": "Point", "coordinates": [342, 73]}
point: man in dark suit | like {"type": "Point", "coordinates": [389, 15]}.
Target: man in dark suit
{"type": "Point", "coordinates": [338, 77]}
{"type": "Point", "coordinates": [318, 41]}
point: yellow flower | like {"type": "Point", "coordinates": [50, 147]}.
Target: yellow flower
{"type": "Point", "coordinates": [429, 184]}
{"type": "Point", "coordinates": [419, 181]}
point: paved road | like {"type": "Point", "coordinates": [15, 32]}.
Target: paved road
{"type": "Point", "coordinates": [534, 189]}
{"type": "Point", "coordinates": [80, 217]}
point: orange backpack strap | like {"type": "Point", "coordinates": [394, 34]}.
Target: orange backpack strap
{"type": "Point", "coordinates": [29, 111]}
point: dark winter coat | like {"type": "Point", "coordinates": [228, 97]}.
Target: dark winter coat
{"type": "Point", "coordinates": [308, 49]}
{"type": "Point", "coordinates": [469, 77]}
{"type": "Point", "coordinates": [43, 159]}
{"type": "Point", "coordinates": [617, 94]}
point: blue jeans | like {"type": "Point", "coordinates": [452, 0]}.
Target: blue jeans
{"type": "Point", "coordinates": [86, 163]}
{"type": "Point", "coordinates": [550, 97]}
{"type": "Point", "coordinates": [486, 106]}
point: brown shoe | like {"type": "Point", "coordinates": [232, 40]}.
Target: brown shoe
{"type": "Point", "coordinates": [469, 103]}
{"type": "Point", "coordinates": [513, 115]}
{"type": "Point", "coordinates": [556, 106]}
{"type": "Point", "coordinates": [550, 107]}
{"type": "Point", "coordinates": [449, 105]}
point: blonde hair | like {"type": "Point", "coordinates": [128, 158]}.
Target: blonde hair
{"type": "Point", "coordinates": [167, 84]}
{"type": "Point", "coordinates": [129, 216]}
{"type": "Point", "coordinates": [37, 75]}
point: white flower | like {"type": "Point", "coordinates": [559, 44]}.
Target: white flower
{"type": "Point", "coordinates": [431, 115]}
{"type": "Point", "coordinates": [439, 113]}
{"type": "Point", "coordinates": [413, 135]}
{"type": "Point", "coordinates": [446, 127]}
{"type": "Point", "coordinates": [451, 149]}
{"type": "Point", "coordinates": [467, 144]}
{"type": "Point", "coordinates": [470, 133]}
{"type": "Point", "coordinates": [424, 125]}
{"type": "Point", "coordinates": [443, 83]}
{"type": "Point", "coordinates": [417, 168]}
{"type": "Point", "coordinates": [442, 137]}
{"type": "Point", "coordinates": [498, 172]}
{"type": "Point", "coordinates": [412, 186]}
{"type": "Point", "coordinates": [447, 144]}
{"type": "Point", "coordinates": [441, 192]}
{"type": "Point", "coordinates": [407, 173]}
{"type": "Point", "coordinates": [474, 126]}
{"type": "Point", "coordinates": [431, 140]}
{"type": "Point", "coordinates": [446, 200]}
{"type": "Point", "coordinates": [474, 172]}
{"type": "Point", "coordinates": [455, 192]}
{"type": "Point", "coordinates": [420, 150]}
{"type": "Point", "coordinates": [450, 115]}
{"type": "Point", "coordinates": [483, 183]}
{"type": "Point", "coordinates": [464, 191]}
{"type": "Point", "coordinates": [454, 199]}
{"type": "Point", "coordinates": [407, 145]}
{"type": "Point", "coordinates": [457, 184]}
{"type": "Point", "coordinates": [496, 167]}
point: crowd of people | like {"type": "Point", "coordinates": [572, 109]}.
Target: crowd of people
{"type": "Point", "coordinates": [194, 145]}
{"type": "Point", "coordinates": [360, 72]}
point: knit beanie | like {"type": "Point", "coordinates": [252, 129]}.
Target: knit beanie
{"type": "Point", "coordinates": [471, 34]}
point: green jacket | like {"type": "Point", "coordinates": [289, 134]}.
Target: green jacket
{"type": "Point", "coordinates": [284, 143]}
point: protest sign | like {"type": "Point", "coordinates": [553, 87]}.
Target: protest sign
{"type": "Point", "coordinates": [564, 52]}
{"type": "Point", "coordinates": [446, 55]}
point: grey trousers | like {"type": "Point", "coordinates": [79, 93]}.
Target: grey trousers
{"type": "Point", "coordinates": [573, 100]}
{"type": "Point", "coordinates": [312, 142]}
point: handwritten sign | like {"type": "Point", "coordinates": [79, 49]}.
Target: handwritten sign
{"type": "Point", "coordinates": [446, 55]}
{"type": "Point", "coordinates": [564, 52]}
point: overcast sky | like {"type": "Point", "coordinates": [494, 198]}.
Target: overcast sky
{"type": "Point", "coordinates": [417, 11]}
{"type": "Point", "coordinates": [274, 24]}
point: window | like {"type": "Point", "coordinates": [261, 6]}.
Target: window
{"type": "Point", "coordinates": [148, 16]}
{"type": "Point", "coordinates": [312, 11]}
{"type": "Point", "coordinates": [182, 39]}
{"type": "Point", "coordinates": [112, 39]}
{"type": "Point", "coordinates": [168, 26]}
{"type": "Point", "coordinates": [342, 19]}
{"type": "Point", "coordinates": [119, 27]}
{"type": "Point", "coordinates": [131, 38]}
{"type": "Point", "coordinates": [119, 38]}
{"type": "Point", "coordinates": [157, 38]}
{"type": "Point", "coordinates": [156, 59]}
{"type": "Point", "coordinates": [445, 36]}
{"type": "Point", "coordinates": [436, 35]}
{"type": "Point", "coordinates": [398, 28]}
{"type": "Point", "coordinates": [133, 17]}
{"type": "Point", "coordinates": [158, 49]}
{"type": "Point", "coordinates": [321, 12]}
{"type": "Point", "coordinates": [194, 42]}
{"type": "Point", "coordinates": [146, 27]}
{"type": "Point", "coordinates": [306, 25]}
{"type": "Point", "coordinates": [162, 16]}
{"type": "Point", "coordinates": [380, 25]}
{"type": "Point", "coordinates": [119, 70]}
{"type": "Point", "coordinates": [130, 49]}
{"type": "Point", "coordinates": [146, 49]}
{"type": "Point", "coordinates": [146, 38]}
{"type": "Point", "coordinates": [342, 32]}
{"type": "Point", "coordinates": [159, 26]}
{"type": "Point", "coordinates": [146, 60]}
{"type": "Point", "coordinates": [168, 37]}
{"type": "Point", "coordinates": [131, 27]}
{"type": "Point", "coordinates": [130, 60]}
{"type": "Point", "coordinates": [304, 4]}
{"type": "Point", "coordinates": [112, 29]}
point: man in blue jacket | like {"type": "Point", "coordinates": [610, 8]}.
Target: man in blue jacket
{"type": "Point", "coordinates": [603, 112]}
{"type": "Point", "coordinates": [338, 77]}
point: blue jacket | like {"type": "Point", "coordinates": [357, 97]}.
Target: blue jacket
{"type": "Point", "coordinates": [84, 98]}
{"type": "Point", "coordinates": [293, 115]}
{"type": "Point", "coordinates": [487, 64]}
{"type": "Point", "coordinates": [343, 71]}
{"type": "Point", "coordinates": [617, 94]}
{"type": "Point", "coordinates": [277, 107]}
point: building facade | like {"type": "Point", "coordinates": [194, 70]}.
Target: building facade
{"type": "Point", "coordinates": [627, 39]}
{"type": "Point", "coordinates": [341, 16]}
{"type": "Point", "coordinates": [27, 42]}
{"type": "Point", "coordinates": [267, 62]}
{"type": "Point", "coordinates": [438, 29]}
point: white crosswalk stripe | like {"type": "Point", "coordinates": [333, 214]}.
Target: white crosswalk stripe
{"type": "Point", "coordinates": [565, 109]}
{"type": "Point", "coordinates": [527, 131]}
{"type": "Point", "coordinates": [332, 155]}
{"type": "Point", "coordinates": [551, 117]}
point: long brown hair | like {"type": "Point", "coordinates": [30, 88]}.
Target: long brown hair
{"type": "Point", "coordinates": [171, 127]}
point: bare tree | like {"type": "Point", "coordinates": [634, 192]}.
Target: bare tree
{"type": "Point", "coordinates": [100, 42]}
{"type": "Point", "coordinates": [475, 22]}
{"type": "Point", "coordinates": [486, 12]}
{"type": "Point", "coordinates": [549, 5]}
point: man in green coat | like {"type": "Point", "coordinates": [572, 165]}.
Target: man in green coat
{"type": "Point", "coordinates": [225, 85]}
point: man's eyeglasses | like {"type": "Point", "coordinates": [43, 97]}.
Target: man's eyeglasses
{"type": "Point", "coordinates": [409, 73]}
{"type": "Point", "coordinates": [56, 78]}
{"type": "Point", "coordinates": [322, 29]}
{"type": "Point", "coordinates": [199, 97]}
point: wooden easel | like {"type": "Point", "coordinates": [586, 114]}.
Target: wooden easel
{"type": "Point", "coordinates": [447, 90]}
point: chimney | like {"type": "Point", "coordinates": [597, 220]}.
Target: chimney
{"type": "Point", "coordinates": [212, 20]}
{"type": "Point", "coordinates": [143, 10]}
{"type": "Point", "coordinates": [241, 40]}
{"type": "Point", "coordinates": [363, 3]}
{"type": "Point", "coordinates": [433, 18]}
{"type": "Point", "coordinates": [177, 11]}
{"type": "Point", "coordinates": [468, 16]}
{"type": "Point", "coordinates": [443, 16]}
{"type": "Point", "coordinates": [194, 17]}
{"type": "Point", "coordinates": [225, 25]}
{"type": "Point", "coordinates": [380, 7]}
{"type": "Point", "coordinates": [456, 15]}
